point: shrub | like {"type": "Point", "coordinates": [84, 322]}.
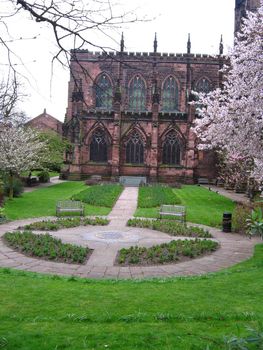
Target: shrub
{"type": "Point", "coordinates": [2, 215]}
{"type": "Point", "coordinates": [46, 246]}
{"type": "Point", "coordinates": [171, 227]}
{"type": "Point", "coordinates": [255, 223]}
{"type": "Point", "coordinates": [100, 195]}
{"type": "Point", "coordinates": [154, 196]}
{"type": "Point", "coordinates": [241, 214]}
{"type": "Point", "coordinates": [17, 187]}
{"type": "Point", "coordinates": [239, 217]}
{"type": "Point", "coordinates": [95, 221]}
{"type": "Point", "coordinates": [44, 176]}
{"type": "Point", "coordinates": [166, 252]}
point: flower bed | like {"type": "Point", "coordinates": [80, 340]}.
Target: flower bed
{"type": "Point", "coordinates": [171, 227]}
{"type": "Point", "coordinates": [54, 225]}
{"type": "Point", "coordinates": [166, 253]}
{"type": "Point", "coordinates": [46, 247]}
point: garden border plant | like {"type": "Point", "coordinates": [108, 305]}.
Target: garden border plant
{"type": "Point", "coordinates": [57, 224]}
{"type": "Point", "coordinates": [173, 228]}
{"type": "Point", "coordinates": [166, 253]}
{"type": "Point", "coordinates": [46, 247]}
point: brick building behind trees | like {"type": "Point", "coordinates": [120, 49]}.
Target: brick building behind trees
{"type": "Point", "coordinates": [45, 122]}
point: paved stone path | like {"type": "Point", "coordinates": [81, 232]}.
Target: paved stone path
{"type": "Point", "coordinates": [237, 197]}
{"type": "Point", "coordinates": [107, 240]}
{"type": "Point", "coordinates": [53, 181]}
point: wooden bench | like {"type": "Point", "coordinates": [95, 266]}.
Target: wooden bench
{"type": "Point", "coordinates": [69, 206]}
{"type": "Point", "coordinates": [173, 210]}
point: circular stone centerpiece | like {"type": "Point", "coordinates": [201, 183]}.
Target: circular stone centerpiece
{"type": "Point", "coordinates": [109, 235]}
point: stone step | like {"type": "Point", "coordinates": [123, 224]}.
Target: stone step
{"type": "Point", "coordinates": [132, 180]}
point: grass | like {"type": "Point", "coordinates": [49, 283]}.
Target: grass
{"type": "Point", "coordinates": [42, 201]}
{"type": "Point", "coordinates": [100, 195]}
{"type": "Point", "coordinates": [154, 196]}
{"type": "Point", "coordinates": [202, 206]}
{"type": "Point", "coordinates": [51, 312]}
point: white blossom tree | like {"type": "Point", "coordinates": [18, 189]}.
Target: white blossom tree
{"type": "Point", "coordinates": [20, 150]}
{"type": "Point", "coordinates": [231, 119]}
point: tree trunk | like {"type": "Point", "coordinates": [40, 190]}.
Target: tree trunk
{"type": "Point", "coordinates": [11, 185]}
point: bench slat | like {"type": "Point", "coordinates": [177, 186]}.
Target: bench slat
{"type": "Point", "coordinates": [173, 210]}
{"type": "Point", "coordinates": [70, 206]}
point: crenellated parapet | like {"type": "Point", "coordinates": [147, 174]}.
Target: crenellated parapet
{"type": "Point", "coordinates": [85, 55]}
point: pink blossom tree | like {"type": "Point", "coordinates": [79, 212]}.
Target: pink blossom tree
{"type": "Point", "coordinates": [231, 118]}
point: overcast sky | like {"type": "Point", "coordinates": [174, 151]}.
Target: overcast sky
{"type": "Point", "coordinates": [206, 20]}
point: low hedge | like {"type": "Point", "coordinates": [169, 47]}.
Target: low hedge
{"type": "Point", "coordinates": [171, 227]}
{"type": "Point", "coordinates": [46, 247]}
{"type": "Point", "coordinates": [54, 225]}
{"type": "Point", "coordinates": [154, 196]}
{"type": "Point", "coordinates": [100, 195]}
{"type": "Point", "coordinates": [166, 253]}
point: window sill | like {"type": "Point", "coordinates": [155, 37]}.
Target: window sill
{"type": "Point", "coordinates": [134, 165]}
{"type": "Point", "coordinates": [178, 166]}
{"type": "Point", "coordinates": [97, 163]}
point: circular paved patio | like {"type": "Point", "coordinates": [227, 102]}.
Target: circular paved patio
{"type": "Point", "coordinates": [107, 240]}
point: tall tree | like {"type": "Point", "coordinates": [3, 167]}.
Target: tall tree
{"type": "Point", "coordinates": [231, 119]}
{"type": "Point", "coordinates": [56, 147]}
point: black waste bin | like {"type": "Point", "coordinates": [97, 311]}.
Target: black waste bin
{"type": "Point", "coordinates": [227, 221]}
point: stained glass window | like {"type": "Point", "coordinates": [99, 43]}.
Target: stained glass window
{"type": "Point", "coordinates": [171, 149]}
{"type": "Point", "coordinates": [137, 94]}
{"type": "Point", "coordinates": [103, 92]}
{"type": "Point", "coordinates": [203, 85]}
{"type": "Point", "coordinates": [170, 95]}
{"type": "Point", "coordinates": [98, 147]}
{"type": "Point", "coordinates": [135, 149]}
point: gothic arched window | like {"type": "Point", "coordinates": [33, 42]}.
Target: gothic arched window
{"type": "Point", "coordinates": [98, 147]}
{"type": "Point", "coordinates": [137, 94]}
{"type": "Point", "coordinates": [203, 85]}
{"type": "Point", "coordinates": [171, 149]}
{"type": "Point", "coordinates": [135, 149]}
{"type": "Point", "coordinates": [103, 92]}
{"type": "Point", "coordinates": [170, 95]}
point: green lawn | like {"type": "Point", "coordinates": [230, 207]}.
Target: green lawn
{"type": "Point", "coordinates": [45, 312]}
{"type": "Point", "coordinates": [154, 196]}
{"type": "Point", "coordinates": [42, 201]}
{"type": "Point", "coordinates": [203, 206]}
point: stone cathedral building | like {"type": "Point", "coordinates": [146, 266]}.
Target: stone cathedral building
{"type": "Point", "coordinates": [129, 114]}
